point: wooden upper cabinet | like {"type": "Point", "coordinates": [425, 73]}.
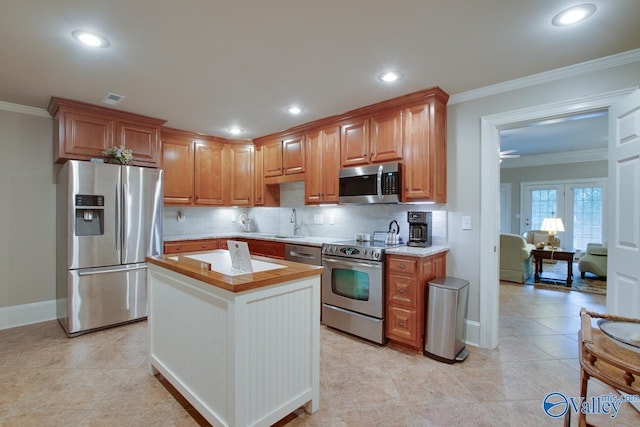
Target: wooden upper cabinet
{"type": "Point", "coordinates": [82, 131]}
{"type": "Point", "coordinates": [210, 186]}
{"type": "Point", "coordinates": [259, 187]}
{"type": "Point", "coordinates": [354, 143]}
{"type": "Point", "coordinates": [143, 139]}
{"type": "Point", "coordinates": [240, 171]}
{"type": "Point", "coordinates": [272, 158]}
{"type": "Point", "coordinates": [386, 136]}
{"type": "Point", "coordinates": [177, 159]}
{"type": "Point", "coordinates": [293, 155]}
{"type": "Point", "coordinates": [323, 165]}
{"type": "Point", "coordinates": [425, 153]}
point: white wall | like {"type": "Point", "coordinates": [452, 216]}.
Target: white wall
{"type": "Point", "coordinates": [27, 211]}
{"type": "Point", "coordinates": [463, 133]}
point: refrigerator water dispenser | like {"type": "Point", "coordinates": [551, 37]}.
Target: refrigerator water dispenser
{"type": "Point", "coordinates": [89, 218]}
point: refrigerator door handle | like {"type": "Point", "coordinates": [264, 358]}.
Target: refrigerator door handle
{"type": "Point", "coordinates": [116, 269]}
{"type": "Point", "coordinates": [123, 223]}
{"type": "Point", "coordinates": [118, 221]}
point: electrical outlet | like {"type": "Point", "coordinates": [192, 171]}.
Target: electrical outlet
{"type": "Point", "coordinates": [233, 218]}
{"type": "Point", "coordinates": [317, 219]}
{"type": "Point", "coordinates": [332, 219]}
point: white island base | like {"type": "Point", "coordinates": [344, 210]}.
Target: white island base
{"type": "Point", "coordinates": [240, 358]}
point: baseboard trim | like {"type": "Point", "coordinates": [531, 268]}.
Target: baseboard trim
{"type": "Point", "coordinates": [473, 333]}
{"type": "Point", "coordinates": [26, 314]}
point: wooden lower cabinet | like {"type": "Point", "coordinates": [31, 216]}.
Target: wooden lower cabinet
{"type": "Point", "coordinates": [258, 247]}
{"type": "Point", "coordinates": [266, 248]}
{"type": "Point", "coordinates": [180, 246]}
{"type": "Point", "coordinates": [407, 280]}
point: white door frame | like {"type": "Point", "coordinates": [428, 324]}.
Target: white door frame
{"type": "Point", "coordinates": [505, 214]}
{"type": "Point", "coordinates": [490, 190]}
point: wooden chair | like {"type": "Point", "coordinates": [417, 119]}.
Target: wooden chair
{"type": "Point", "coordinates": [604, 360]}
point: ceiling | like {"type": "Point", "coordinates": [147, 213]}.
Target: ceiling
{"type": "Point", "coordinates": [208, 65]}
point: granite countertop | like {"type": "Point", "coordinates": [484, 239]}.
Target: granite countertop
{"type": "Point", "coordinates": [309, 241]}
{"type": "Point", "coordinates": [416, 252]}
{"type": "Point", "coordinates": [300, 240]}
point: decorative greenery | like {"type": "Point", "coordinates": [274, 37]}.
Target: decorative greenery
{"type": "Point", "coordinates": [120, 155]}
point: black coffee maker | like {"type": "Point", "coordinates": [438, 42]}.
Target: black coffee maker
{"type": "Point", "coordinates": [419, 229]}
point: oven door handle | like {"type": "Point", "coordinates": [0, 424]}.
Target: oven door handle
{"type": "Point", "coordinates": [352, 263]}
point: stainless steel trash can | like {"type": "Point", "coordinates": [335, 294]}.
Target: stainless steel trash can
{"type": "Point", "coordinates": [446, 309]}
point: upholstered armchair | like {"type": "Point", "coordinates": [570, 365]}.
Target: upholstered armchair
{"type": "Point", "coordinates": [594, 260]}
{"type": "Point", "coordinates": [534, 237]}
{"type": "Point", "coordinates": [515, 258]}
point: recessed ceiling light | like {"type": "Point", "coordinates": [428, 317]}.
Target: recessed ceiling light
{"type": "Point", "coordinates": [573, 15]}
{"type": "Point", "coordinates": [390, 76]}
{"type": "Point", "coordinates": [235, 130]}
{"type": "Point", "coordinates": [90, 39]}
{"type": "Point", "coordinates": [294, 110]}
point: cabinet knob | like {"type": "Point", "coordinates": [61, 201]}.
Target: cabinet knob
{"type": "Point", "coordinates": [401, 323]}
{"type": "Point", "coordinates": [401, 266]}
{"type": "Point", "coordinates": [401, 291]}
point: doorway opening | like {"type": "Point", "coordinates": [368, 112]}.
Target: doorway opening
{"type": "Point", "coordinates": [490, 201]}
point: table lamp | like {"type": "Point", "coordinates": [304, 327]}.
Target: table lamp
{"type": "Point", "coordinates": [553, 226]}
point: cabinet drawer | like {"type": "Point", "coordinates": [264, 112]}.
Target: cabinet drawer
{"type": "Point", "coordinates": [402, 325]}
{"type": "Point", "coordinates": [402, 290]}
{"type": "Point", "coordinates": [190, 246]}
{"type": "Point", "coordinates": [402, 265]}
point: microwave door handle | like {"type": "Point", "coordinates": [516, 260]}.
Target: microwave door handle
{"type": "Point", "coordinates": [380, 182]}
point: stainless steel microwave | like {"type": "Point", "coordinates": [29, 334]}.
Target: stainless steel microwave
{"type": "Point", "coordinates": [370, 184]}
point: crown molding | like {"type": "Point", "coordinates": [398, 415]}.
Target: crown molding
{"type": "Point", "coordinates": [611, 61]}
{"type": "Point", "coordinates": [596, 154]}
{"type": "Point", "coordinates": [24, 109]}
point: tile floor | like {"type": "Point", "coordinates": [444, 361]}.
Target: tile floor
{"type": "Point", "coordinates": [100, 379]}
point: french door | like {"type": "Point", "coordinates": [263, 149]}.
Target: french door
{"type": "Point", "coordinates": [579, 203]}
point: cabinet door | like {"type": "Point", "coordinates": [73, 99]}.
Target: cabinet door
{"type": "Point", "coordinates": [418, 171]}
{"type": "Point", "coordinates": [177, 162]}
{"type": "Point", "coordinates": [272, 158]}
{"type": "Point", "coordinates": [293, 160]}
{"type": "Point", "coordinates": [210, 185]}
{"type": "Point", "coordinates": [258, 175]}
{"type": "Point", "coordinates": [240, 172]}
{"type": "Point", "coordinates": [386, 137]}
{"type": "Point", "coordinates": [143, 139]}
{"type": "Point", "coordinates": [402, 326]}
{"type": "Point", "coordinates": [354, 143]}
{"type": "Point", "coordinates": [402, 290]}
{"type": "Point", "coordinates": [85, 135]}
{"type": "Point", "coordinates": [330, 164]}
{"type": "Point", "coordinates": [313, 177]}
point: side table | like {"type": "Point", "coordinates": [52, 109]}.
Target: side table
{"type": "Point", "coordinates": [553, 254]}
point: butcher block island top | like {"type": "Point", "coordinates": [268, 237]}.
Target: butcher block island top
{"type": "Point", "coordinates": [191, 267]}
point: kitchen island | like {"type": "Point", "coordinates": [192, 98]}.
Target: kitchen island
{"type": "Point", "coordinates": [243, 349]}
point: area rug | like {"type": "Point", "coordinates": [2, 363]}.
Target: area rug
{"type": "Point", "coordinates": [555, 275]}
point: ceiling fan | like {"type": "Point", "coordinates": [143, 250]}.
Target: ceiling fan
{"type": "Point", "coordinates": [508, 154]}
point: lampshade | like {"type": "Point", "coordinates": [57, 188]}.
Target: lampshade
{"type": "Point", "coordinates": [552, 225]}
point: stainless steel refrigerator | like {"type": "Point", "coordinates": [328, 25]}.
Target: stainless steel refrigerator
{"type": "Point", "coordinates": [109, 218]}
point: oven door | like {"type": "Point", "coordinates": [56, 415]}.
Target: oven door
{"type": "Point", "coordinates": [354, 285]}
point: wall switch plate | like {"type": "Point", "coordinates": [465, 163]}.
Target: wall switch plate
{"type": "Point", "coordinates": [332, 219]}
{"type": "Point", "coordinates": [317, 219]}
{"type": "Point", "coordinates": [233, 218]}
{"type": "Point", "coordinates": [466, 223]}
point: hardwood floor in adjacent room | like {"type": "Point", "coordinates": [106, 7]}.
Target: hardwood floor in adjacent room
{"type": "Point", "coordinates": [101, 379]}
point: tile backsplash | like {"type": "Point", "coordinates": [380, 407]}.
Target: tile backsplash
{"type": "Point", "coordinates": [340, 221]}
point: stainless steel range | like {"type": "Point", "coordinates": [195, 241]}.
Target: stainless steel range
{"type": "Point", "coordinates": [353, 288]}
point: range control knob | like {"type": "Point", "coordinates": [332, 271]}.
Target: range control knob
{"type": "Point", "coordinates": [376, 255]}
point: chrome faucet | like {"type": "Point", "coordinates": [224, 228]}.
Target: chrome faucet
{"type": "Point", "coordinates": [293, 219]}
